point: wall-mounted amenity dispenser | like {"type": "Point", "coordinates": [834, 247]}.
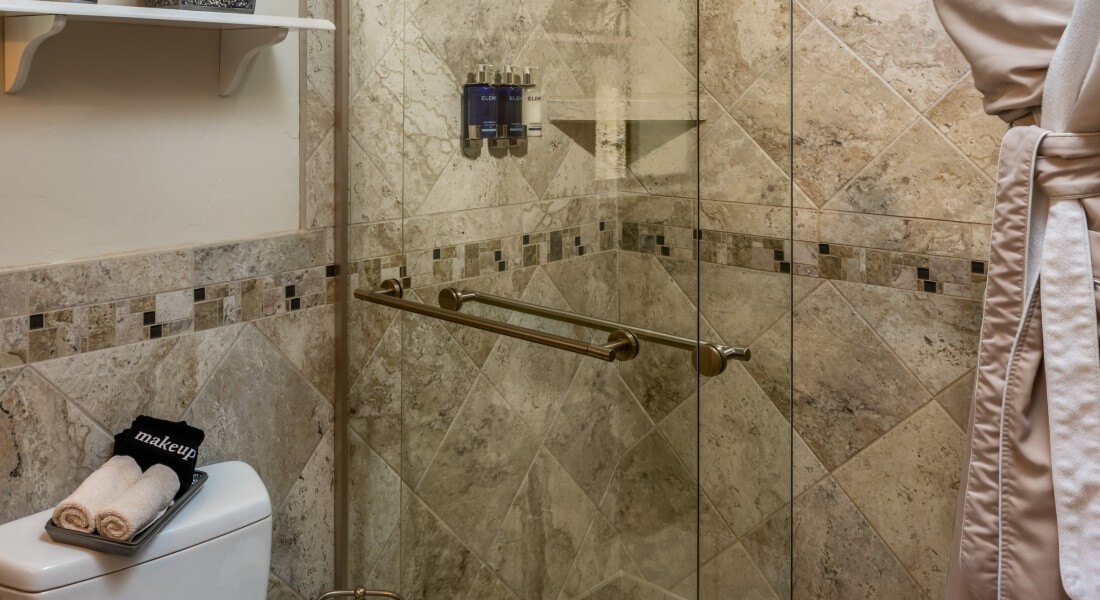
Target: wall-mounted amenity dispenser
{"type": "Point", "coordinates": [502, 107]}
{"type": "Point", "coordinates": [480, 109]}
{"type": "Point", "coordinates": [511, 107]}
{"type": "Point", "coordinates": [532, 102]}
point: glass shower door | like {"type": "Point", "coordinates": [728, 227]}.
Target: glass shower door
{"type": "Point", "coordinates": [482, 465]}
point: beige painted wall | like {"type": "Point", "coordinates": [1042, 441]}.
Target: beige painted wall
{"type": "Point", "coordinates": [123, 146]}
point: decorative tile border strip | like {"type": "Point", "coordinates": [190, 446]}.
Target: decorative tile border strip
{"type": "Point", "coordinates": [956, 277]}
{"type": "Point", "coordinates": [473, 259]}
{"type": "Point", "coordinates": [66, 332]}
{"type": "Point", "coordinates": [42, 332]}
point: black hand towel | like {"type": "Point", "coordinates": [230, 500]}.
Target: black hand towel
{"type": "Point", "coordinates": [173, 444]}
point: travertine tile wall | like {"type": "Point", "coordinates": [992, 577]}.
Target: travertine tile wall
{"type": "Point", "coordinates": [236, 338]}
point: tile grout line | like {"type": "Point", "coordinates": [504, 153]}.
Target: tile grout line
{"type": "Point", "coordinates": [221, 360]}
{"type": "Point", "coordinates": [297, 370]}
{"type": "Point", "coordinates": [893, 553]}
{"type": "Point", "coordinates": [68, 401]}
{"type": "Point", "coordinates": [878, 336]}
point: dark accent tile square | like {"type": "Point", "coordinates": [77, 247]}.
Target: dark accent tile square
{"type": "Point", "coordinates": [778, 254]}
{"type": "Point", "coordinates": [922, 273]}
{"type": "Point", "coordinates": [501, 265]}
{"type": "Point", "coordinates": [930, 286]}
{"type": "Point", "coordinates": [403, 271]}
{"type": "Point", "coordinates": [526, 239]}
{"type": "Point", "coordinates": [580, 251]}
{"type": "Point", "coordinates": [577, 241]}
{"type": "Point", "coordinates": [977, 267]}
{"type": "Point", "coordinates": [289, 291]}
{"type": "Point", "coordinates": [437, 254]}
{"type": "Point", "coordinates": [149, 318]}
{"type": "Point", "coordinates": [496, 255]}
{"type": "Point", "coordinates": [37, 321]}
{"type": "Point", "coordinates": [603, 225]}
{"type": "Point", "coordinates": [407, 282]}
{"type": "Point", "coordinates": [555, 246]}
{"type": "Point", "coordinates": [660, 240]}
{"type": "Point", "coordinates": [629, 239]}
{"type": "Point", "coordinates": [823, 248]}
{"type": "Point", "coordinates": [330, 270]}
{"type": "Point", "coordinates": [200, 294]}
{"type": "Point", "coordinates": [784, 267]}
{"type": "Point", "coordinates": [665, 251]}
{"type": "Point", "coordinates": [530, 256]}
{"type": "Point", "coordinates": [155, 331]}
{"type": "Point", "coordinates": [295, 303]}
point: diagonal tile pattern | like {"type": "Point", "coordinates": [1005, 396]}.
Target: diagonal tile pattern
{"type": "Point", "coordinates": [908, 482]}
{"type": "Point", "coordinates": [903, 42]}
{"type": "Point", "coordinates": [838, 555]}
{"type": "Point", "coordinates": [159, 378]}
{"type": "Point", "coordinates": [532, 376]}
{"type": "Point", "coordinates": [839, 104]}
{"type": "Point", "coordinates": [436, 377]}
{"type": "Point", "coordinates": [542, 531]}
{"type": "Point", "coordinates": [479, 466]}
{"type": "Point", "coordinates": [42, 431]}
{"type": "Point", "coordinates": [838, 416]}
{"type": "Point", "coordinates": [255, 371]}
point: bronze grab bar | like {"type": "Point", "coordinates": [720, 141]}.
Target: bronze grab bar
{"type": "Point", "coordinates": [621, 344]}
{"type": "Point", "coordinates": [359, 593]}
{"type": "Point", "coordinates": [710, 358]}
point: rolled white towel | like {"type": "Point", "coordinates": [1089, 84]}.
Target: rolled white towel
{"type": "Point", "coordinates": [78, 511]}
{"type": "Point", "coordinates": [138, 505]}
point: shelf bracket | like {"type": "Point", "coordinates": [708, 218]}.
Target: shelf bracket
{"type": "Point", "coordinates": [22, 37]}
{"type": "Point", "coordinates": [239, 49]}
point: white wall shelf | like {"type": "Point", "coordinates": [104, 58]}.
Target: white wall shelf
{"type": "Point", "coordinates": [28, 23]}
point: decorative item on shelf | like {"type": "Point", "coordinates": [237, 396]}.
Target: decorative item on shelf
{"type": "Point", "coordinates": [241, 6]}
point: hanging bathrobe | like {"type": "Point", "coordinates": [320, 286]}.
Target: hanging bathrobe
{"type": "Point", "coordinates": [1028, 523]}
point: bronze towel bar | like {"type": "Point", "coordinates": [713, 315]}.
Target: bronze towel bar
{"type": "Point", "coordinates": [710, 358]}
{"type": "Point", "coordinates": [359, 593]}
{"type": "Point", "coordinates": [621, 344]}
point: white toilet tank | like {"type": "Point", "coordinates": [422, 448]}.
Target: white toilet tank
{"type": "Point", "coordinates": [217, 548]}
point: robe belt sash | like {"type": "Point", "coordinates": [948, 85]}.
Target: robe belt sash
{"type": "Point", "coordinates": [1048, 193]}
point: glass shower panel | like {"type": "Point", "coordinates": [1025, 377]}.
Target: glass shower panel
{"type": "Point", "coordinates": [749, 271]}
{"type": "Point", "coordinates": [484, 466]}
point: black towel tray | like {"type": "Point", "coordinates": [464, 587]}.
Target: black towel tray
{"type": "Point", "coordinates": [139, 541]}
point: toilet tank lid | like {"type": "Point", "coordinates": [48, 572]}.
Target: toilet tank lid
{"type": "Point", "coordinates": [30, 561]}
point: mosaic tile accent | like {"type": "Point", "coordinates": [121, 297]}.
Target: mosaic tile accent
{"type": "Point", "coordinates": [452, 263]}
{"type": "Point", "coordinates": [963, 278]}
{"type": "Point", "coordinates": [86, 328]}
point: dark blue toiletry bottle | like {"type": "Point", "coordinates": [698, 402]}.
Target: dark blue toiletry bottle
{"type": "Point", "coordinates": [470, 132]}
{"type": "Point", "coordinates": [511, 106]}
{"type": "Point", "coordinates": [481, 102]}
